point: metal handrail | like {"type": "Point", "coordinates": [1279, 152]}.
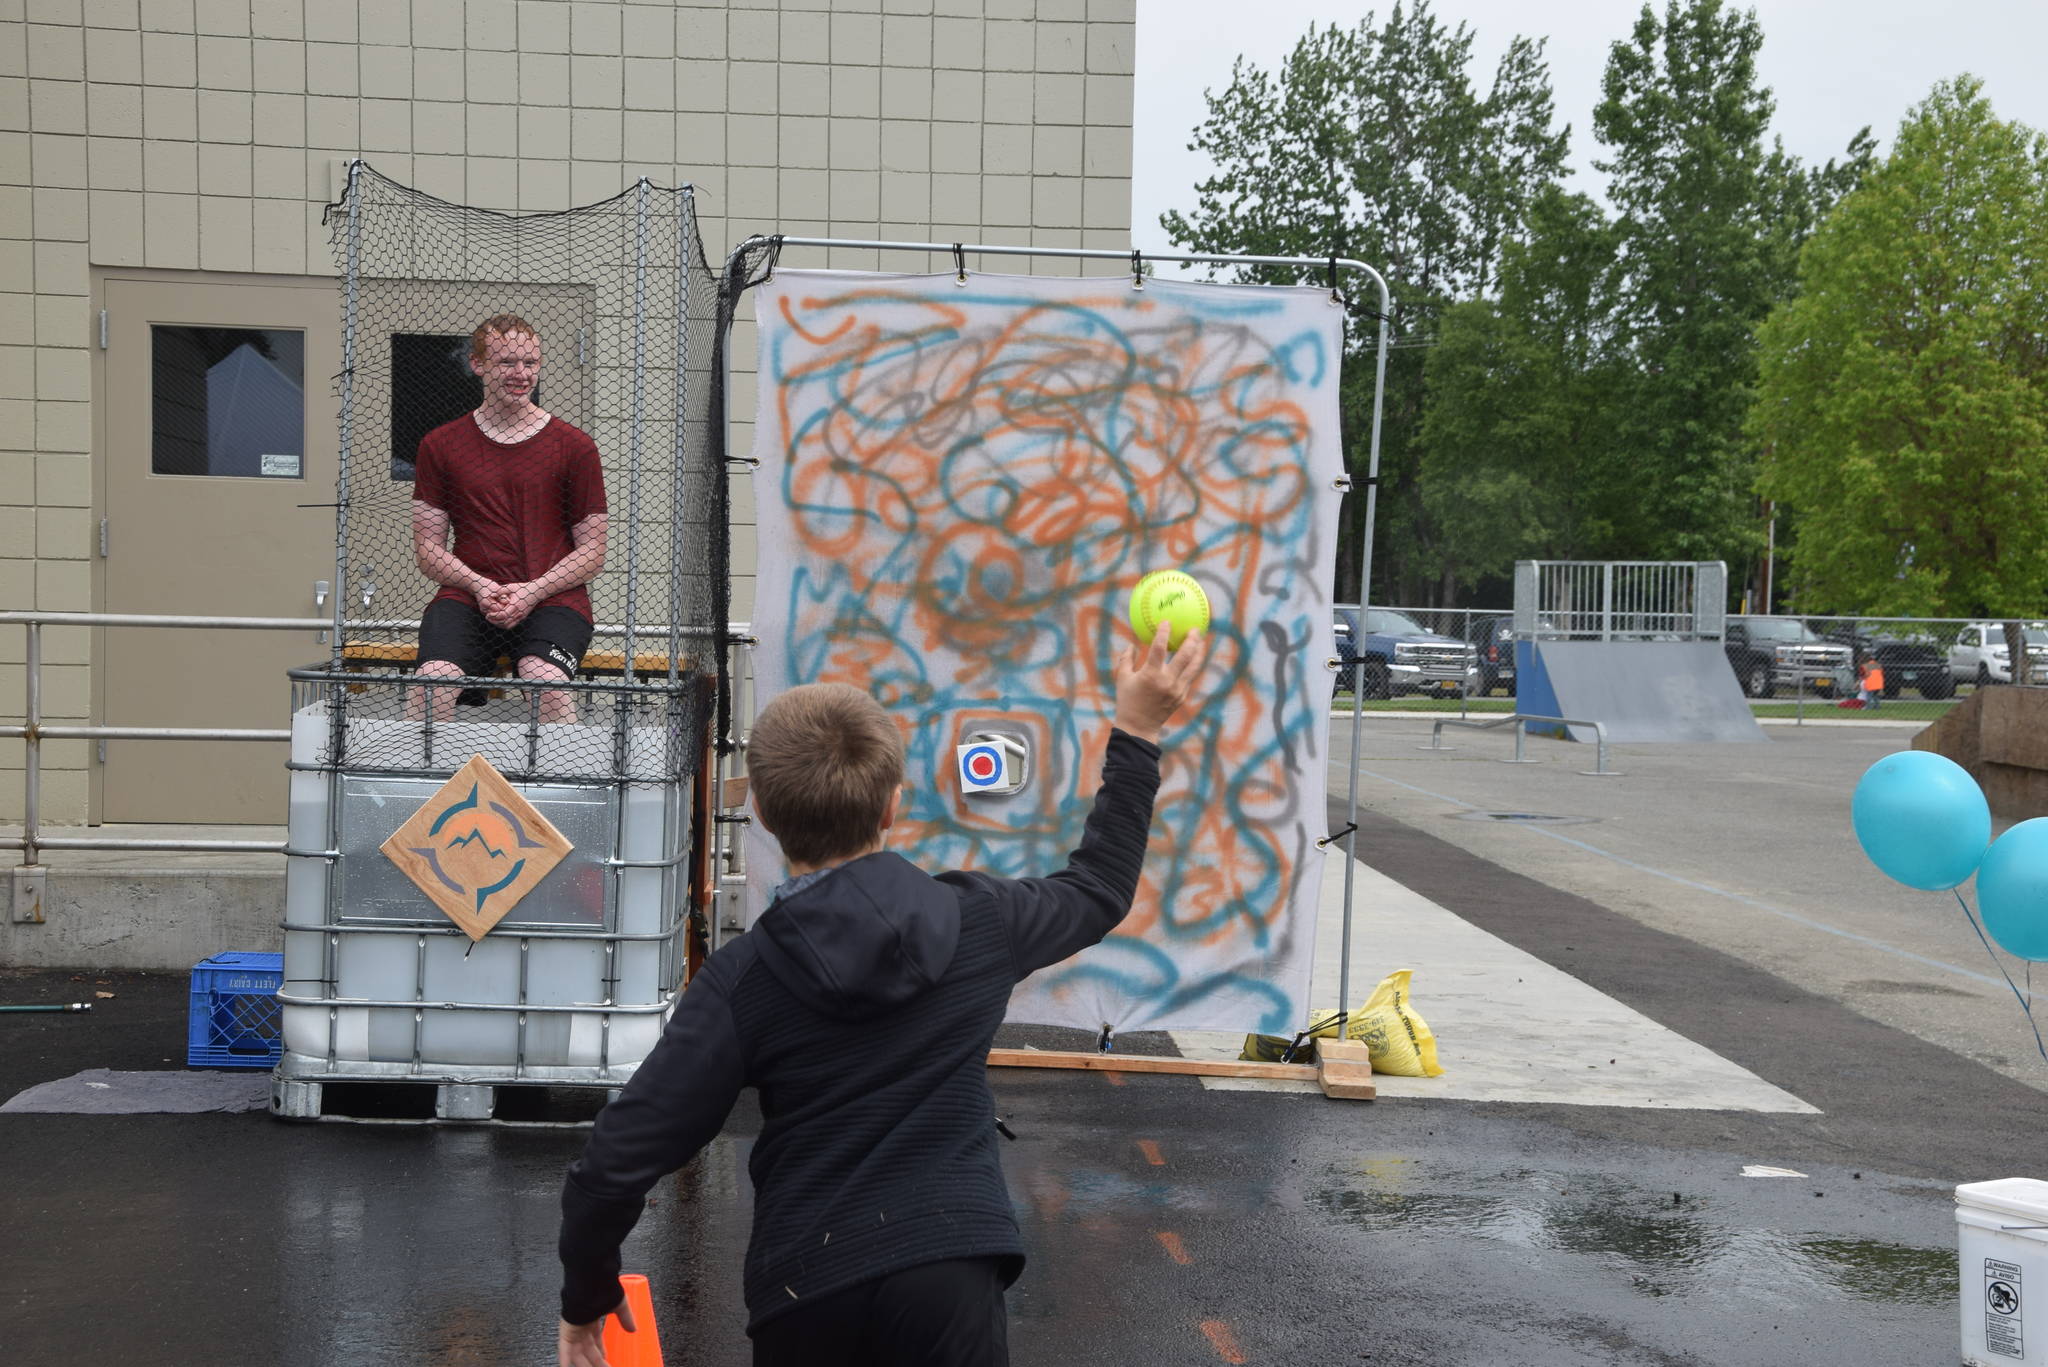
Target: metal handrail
{"type": "Point", "coordinates": [33, 732]}
{"type": "Point", "coordinates": [1599, 769]}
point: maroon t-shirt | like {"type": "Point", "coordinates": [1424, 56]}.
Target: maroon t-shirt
{"type": "Point", "coordinates": [514, 505]}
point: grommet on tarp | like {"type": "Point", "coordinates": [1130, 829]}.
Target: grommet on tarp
{"type": "Point", "coordinates": [1334, 836]}
{"type": "Point", "coordinates": [1107, 1042]}
{"type": "Point", "coordinates": [1137, 270]}
{"type": "Point", "coordinates": [959, 263]}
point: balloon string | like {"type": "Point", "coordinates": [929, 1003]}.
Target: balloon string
{"type": "Point", "coordinates": [2025, 1005]}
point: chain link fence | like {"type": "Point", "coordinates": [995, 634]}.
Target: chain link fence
{"type": "Point", "coordinates": [581, 609]}
{"type": "Point", "coordinates": [1791, 668]}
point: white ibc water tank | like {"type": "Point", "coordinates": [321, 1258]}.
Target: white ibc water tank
{"type": "Point", "coordinates": [367, 945]}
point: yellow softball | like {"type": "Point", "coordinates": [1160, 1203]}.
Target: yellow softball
{"type": "Point", "coordinates": [1169, 596]}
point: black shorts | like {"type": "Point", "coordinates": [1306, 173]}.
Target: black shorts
{"type": "Point", "coordinates": [457, 632]}
{"type": "Point", "coordinates": [946, 1314]}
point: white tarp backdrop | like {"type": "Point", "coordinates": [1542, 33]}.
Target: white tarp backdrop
{"type": "Point", "coordinates": [958, 486]}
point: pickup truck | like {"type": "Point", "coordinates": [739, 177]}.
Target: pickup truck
{"type": "Point", "coordinates": [1390, 654]}
{"type": "Point", "coordinates": [1908, 661]}
{"type": "Point", "coordinates": [1979, 655]}
{"type": "Point", "coordinates": [1494, 636]}
{"type": "Point", "coordinates": [1766, 652]}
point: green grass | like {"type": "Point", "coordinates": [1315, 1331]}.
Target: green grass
{"type": "Point", "coordinates": [1342, 703]}
{"type": "Point", "coordinates": [1895, 709]}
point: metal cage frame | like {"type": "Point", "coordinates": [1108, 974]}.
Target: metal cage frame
{"type": "Point", "coordinates": [773, 244]}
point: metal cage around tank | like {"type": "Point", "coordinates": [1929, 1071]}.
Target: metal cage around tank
{"type": "Point", "coordinates": [571, 987]}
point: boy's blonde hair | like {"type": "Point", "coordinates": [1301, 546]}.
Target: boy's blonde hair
{"type": "Point", "coordinates": [822, 762]}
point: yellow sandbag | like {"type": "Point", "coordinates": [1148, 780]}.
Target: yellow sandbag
{"type": "Point", "coordinates": [1400, 1041]}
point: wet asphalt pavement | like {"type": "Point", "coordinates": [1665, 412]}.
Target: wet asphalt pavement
{"type": "Point", "coordinates": [1166, 1223]}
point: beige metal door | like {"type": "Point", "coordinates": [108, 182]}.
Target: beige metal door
{"type": "Point", "coordinates": [218, 452]}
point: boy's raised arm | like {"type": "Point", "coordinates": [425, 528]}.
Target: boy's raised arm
{"type": "Point", "coordinates": [1054, 917]}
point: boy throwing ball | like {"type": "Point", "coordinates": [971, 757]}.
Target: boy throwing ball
{"type": "Point", "coordinates": [862, 1006]}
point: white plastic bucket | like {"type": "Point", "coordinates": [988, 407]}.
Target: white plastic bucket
{"type": "Point", "coordinates": [2002, 1252]}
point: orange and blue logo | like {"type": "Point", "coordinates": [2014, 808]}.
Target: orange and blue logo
{"type": "Point", "coordinates": [476, 848]}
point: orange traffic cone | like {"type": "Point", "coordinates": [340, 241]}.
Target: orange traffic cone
{"type": "Point", "coordinates": [642, 1347]}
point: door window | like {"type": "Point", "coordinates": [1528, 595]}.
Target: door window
{"type": "Point", "coordinates": [431, 383]}
{"type": "Point", "coordinates": [227, 401]}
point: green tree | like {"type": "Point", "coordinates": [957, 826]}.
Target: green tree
{"type": "Point", "coordinates": [1903, 398]}
{"type": "Point", "coordinates": [1371, 142]}
{"type": "Point", "coordinates": [1519, 458]}
{"type": "Point", "coordinates": [1683, 120]}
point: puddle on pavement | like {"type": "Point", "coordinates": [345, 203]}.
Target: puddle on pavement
{"type": "Point", "coordinates": [1666, 1248]}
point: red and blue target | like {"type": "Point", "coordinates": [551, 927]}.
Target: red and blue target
{"type": "Point", "coordinates": [981, 766]}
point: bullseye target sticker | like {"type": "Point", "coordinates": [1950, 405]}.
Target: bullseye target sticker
{"type": "Point", "coordinates": [982, 767]}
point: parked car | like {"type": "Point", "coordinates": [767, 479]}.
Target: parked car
{"type": "Point", "coordinates": [1908, 661]}
{"type": "Point", "coordinates": [1766, 652]}
{"type": "Point", "coordinates": [1494, 636]}
{"type": "Point", "coordinates": [1979, 655]}
{"type": "Point", "coordinates": [1389, 653]}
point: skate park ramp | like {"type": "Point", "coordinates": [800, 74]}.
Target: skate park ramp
{"type": "Point", "coordinates": [1639, 690]}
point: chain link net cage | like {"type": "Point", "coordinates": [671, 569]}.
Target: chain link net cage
{"type": "Point", "coordinates": [531, 513]}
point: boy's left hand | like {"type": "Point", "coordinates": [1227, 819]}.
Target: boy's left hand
{"type": "Point", "coordinates": [582, 1345]}
{"type": "Point", "coordinates": [1151, 686]}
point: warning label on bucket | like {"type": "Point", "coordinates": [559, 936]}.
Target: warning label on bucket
{"type": "Point", "coordinates": [2002, 1334]}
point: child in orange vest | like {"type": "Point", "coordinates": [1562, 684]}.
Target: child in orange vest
{"type": "Point", "coordinates": [1872, 684]}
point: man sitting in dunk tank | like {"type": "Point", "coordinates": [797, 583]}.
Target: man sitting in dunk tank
{"type": "Point", "coordinates": [523, 492]}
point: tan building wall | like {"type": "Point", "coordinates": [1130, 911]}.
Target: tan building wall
{"type": "Point", "coordinates": [207, 135]}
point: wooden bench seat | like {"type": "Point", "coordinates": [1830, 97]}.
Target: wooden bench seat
{"type": "Point", "coordinates": [366, 654]}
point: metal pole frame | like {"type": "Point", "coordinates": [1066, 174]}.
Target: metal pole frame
{"type": "Point", "coordinates": [637, 427]}
{"type": "Point", "coordinates": [1372, 479]}
{"type": "Point", "coordinates": [337, 698]}
{"type": "Point", "coordinates": [32, 744]}
{"type": "Point", "coordinates": [679, 444]}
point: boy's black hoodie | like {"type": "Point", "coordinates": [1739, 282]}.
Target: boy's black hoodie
{"type": "Point", "coordinates": [862, 1007]}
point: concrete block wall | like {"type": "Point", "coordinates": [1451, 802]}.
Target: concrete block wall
{"type": "Point", "coordinates": [208, 134]}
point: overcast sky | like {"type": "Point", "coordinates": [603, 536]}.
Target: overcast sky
{"type": "Point", "coordinates": [1834, 65]}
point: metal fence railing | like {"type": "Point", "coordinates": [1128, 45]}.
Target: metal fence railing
{"type": "Point", "coordinates": [33, 732]}
{"type": "Point", "coordinates": [1791, 668]}
{"type": "Point", "coordinates": [1619, 600]}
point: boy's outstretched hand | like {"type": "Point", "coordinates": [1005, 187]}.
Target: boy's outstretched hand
{"type": "Point", "coordinates": [582, 1345]}
{"type": "Point", "coordinates": [1151, 686]}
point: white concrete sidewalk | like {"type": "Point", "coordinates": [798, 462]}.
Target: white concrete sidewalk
{"type": "Point", "coordinates": [1508, 1026]}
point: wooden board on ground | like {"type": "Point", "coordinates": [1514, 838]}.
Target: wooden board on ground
{"type": "Point", "coordinates": [1344, 1072]}
{"type": "Point", "coordinates": [1344, 1069]}
{"type": "Point", "coordinates": [1147, 1063]}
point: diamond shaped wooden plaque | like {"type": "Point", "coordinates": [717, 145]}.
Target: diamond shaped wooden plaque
{"type": "Point", "coordinates": [476, 848]}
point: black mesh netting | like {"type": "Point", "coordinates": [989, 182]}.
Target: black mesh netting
{"type": "Point", "coordinates": [532, 517]}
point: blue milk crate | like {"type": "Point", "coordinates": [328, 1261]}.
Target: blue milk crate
{"type": "Point", "coordinates": [234, 1021]}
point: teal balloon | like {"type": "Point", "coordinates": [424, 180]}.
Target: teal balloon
{"type": "Point", "coordinates": [1922, 819]}
{"type": "Point", "coordinates": [2012, 890]}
